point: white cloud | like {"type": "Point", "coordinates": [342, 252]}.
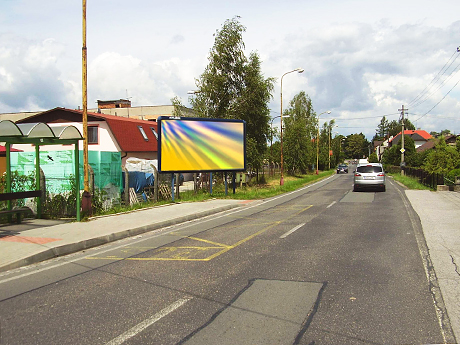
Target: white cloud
{"type": "Point", "coordinates": [112, 76]}
{"type": "Point", "coordinates": [29, 76]}
{"type": "Point", "coordinates": [359, 63]}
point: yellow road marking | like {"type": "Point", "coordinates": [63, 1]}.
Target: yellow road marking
{"type": "Point", "coordinates": [207, 241]}
{"type": "Point", "coordinates": [224, 247]}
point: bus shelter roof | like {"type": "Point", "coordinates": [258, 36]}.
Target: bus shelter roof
{"type": "Point", "coordinates": [38, 133]}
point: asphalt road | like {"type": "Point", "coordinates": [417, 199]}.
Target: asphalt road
{"type": "Point", "coordinates": [322, 265]}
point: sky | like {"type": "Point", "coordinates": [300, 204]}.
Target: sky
{"type": "Point", "coordinates": [363, 59]}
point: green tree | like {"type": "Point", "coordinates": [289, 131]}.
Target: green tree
{"type": "Point", "coordinates": [394, 127]}
{"type": "Point", "coordinates": [300, 127]}
{"type": "Point", "coordinates": [338, 155]}
{"type": "Point", "coordinates": [356, 146]}
{"type": "Point", "coordinates": [233, 87]}
{"type": "Point", "coordinates": [382, 130]}
{"type": "Point", "coordinates": [445, 132]}
{"type": "Point", "coordinates": [222, 81]}
{"type": "Point", "coordinates": [373, 158]}
{"type": "Point", "coordinates": [324, 139]}
{"type": "Point", "coordinates": [392, 155]}
{"type": "Point", "coordinates": [442, 158]}
{"type": "Point", "coordinates": [178, 106]}
{"type": "Point", "coordinates": [252, 105]}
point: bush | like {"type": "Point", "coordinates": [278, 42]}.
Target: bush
{"type": "Point", "coordinates": [19, 183]}
{"type": "Point", "coordinates": [451, 176]}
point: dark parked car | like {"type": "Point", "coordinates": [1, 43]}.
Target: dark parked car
{"type": "Point", "coordinates": [342, 168]}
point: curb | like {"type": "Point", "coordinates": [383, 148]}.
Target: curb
{"type": "Point", "coordinates": [71, 248]}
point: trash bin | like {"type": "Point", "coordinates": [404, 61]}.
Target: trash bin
{"type": "Point", "coordinates": [86, 203]}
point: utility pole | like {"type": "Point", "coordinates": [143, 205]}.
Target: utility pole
{"type": "Point", "coordinates": [403, 111]}
{"type": "Point", "coordinates": [86, 204]}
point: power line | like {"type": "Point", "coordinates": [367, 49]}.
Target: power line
{"type": "Point", "coordinates": [439, 101]}
{"type": "Point", "coordinates": [435, 79]}
{"type": "Point", "coordinates": [439, 87]}
{"type": "Point", "coordinates": [366, 117]}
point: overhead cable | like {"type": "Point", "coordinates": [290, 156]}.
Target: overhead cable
{"type": "Point", "coordinates": [436, 78]}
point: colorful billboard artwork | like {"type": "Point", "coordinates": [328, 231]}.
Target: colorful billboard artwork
{"type": "Point", "coordinates": [195, 144]}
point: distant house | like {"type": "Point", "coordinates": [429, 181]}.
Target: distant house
{"type": "Point", "coordinates": [430, 144]}
{"type": "Point", "coordinates": [419, 136]}
{"type": "Point", "coordinates": [451, 139]}
{"type": "Point", "coordinates": [107, 133]}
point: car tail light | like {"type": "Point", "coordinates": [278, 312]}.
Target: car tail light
{"type": "Point", "coordinates": [381, 174]}
{"type": "Point", "coordinates": [357, 174]}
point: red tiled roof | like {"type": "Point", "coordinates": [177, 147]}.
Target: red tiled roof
{"type": "Point", "coordinates": [424, 134]}
{"type": "Point", "coordinates": [128, 135]}
{"type": "Point", "coordinates": [125, 130]}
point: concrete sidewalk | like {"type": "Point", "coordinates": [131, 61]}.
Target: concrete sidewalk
{"type": "Point", "coordinates": [36, 240]}
{"type": "Point", "coordinates": [439, 213]}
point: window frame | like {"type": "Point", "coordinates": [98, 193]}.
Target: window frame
{"type": "Point", "coordinates": [144, 135]}
{"type": "Point", "coordinates": [97, 135]}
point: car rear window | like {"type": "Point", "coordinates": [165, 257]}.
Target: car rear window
{"type": "Point", "coordinates": [369, 169]}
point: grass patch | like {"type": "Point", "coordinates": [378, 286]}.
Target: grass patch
{"type": "Point", "coordinates": [409, 182]}
{"type": "Point", "coordinates": [250, 191]}
{"type": "Point", "coordinates": [256, 191]}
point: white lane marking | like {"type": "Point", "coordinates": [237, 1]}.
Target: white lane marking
{"type": "Point", "coordinates": [292, 230]}
{"type": "Point", "coordinates": [148, 322]}
{"type": "Point", "coordinates": [331, 204]}
{"type": "Point", "coordinates": [159, 232]}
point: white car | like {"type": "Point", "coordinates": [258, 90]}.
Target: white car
{"type": "Point", "coordinates": [370, 175]}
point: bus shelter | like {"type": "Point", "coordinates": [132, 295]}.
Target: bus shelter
{"type": "Point", "coordinates": [39, 134]}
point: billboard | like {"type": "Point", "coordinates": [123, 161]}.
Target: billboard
{"type": "Point", "coordinates": [200, 144]}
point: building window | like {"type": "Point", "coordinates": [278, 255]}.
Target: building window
{"type": "Point", "coordinates": [144, 135]}
{"type": "Point", "coordinates": [154, 132]}
{"type": "Point", "coordinates": [93, 136]}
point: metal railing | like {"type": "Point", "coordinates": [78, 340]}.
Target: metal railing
{"type": "Point", "coordinates": [431, 180]}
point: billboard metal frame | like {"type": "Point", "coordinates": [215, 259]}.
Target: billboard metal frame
{"type": "Point", "coordinates": [198, 119]}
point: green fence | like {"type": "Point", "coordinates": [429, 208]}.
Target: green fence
{"type": "Point", "coordinates": [59, 168]}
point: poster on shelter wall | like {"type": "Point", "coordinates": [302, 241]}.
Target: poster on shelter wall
{"type": "Point", "coordinates": [197, 144]}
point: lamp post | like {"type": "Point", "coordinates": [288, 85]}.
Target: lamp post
{"type": "Point", "coordinates": [271, 134]}
{"type": "Point", "coordinates": [330, 146]}
{"type": "Point", "coordinates": [317, 142]}
{"type": "Point", "coordinates": [299, 70]}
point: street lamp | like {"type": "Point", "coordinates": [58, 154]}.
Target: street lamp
{"type": "Point", "coordinates": [271, 134]}
{"type": "Point", "coordinates": [330, 145]}
{"type": "Point", "coordinates": [299, 70]}
{"type": "Point", "coordinates": [317, 141]}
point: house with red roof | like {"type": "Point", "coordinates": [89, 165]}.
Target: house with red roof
{"type": "Point", "coordinates": [419, 136]}
{"type": "Point", "coordinates": [106, 133]}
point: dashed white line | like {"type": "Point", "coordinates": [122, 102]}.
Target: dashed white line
{"type": "Point", "coordinates": [292, 230]}
{"type": "Point", "coordinates": [331, 204]}
{"type": "Point", "coordinates": [148, 322]}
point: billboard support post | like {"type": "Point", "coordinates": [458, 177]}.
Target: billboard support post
{"type": "Point", "coordinates": [210, 183]}
{"type": "Point", "coordinates": [226, 184]}
{"type": "Point", "coordinates": [172, 186]}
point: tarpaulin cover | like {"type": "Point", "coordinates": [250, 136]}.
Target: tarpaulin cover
{"type": "Point", "coordinates": [138, 180]}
